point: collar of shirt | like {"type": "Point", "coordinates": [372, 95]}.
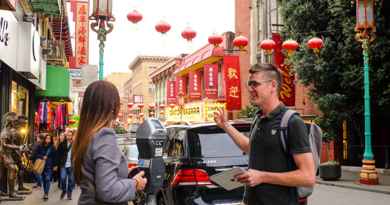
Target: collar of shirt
{"type": "Point", "coordinates": [273, 113]}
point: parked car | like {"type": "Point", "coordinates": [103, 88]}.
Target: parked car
{"type": "Point", "coordinates": [192, 154]}
{"type": "Point", "coordinates": [132, 129]}
{"type": "Point", "coordinates": [129, 148]}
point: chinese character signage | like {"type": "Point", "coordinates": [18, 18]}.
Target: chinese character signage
{"type": "Point", "coordinates": [211, 80]}
{"type": "Point", "coordinates": [171, 92]}
{"type": "Point", "coordinates": [181, 85]}
{"type": "Point", "coordinates": [82, 34]}
{"type": "Point", "coordinates": [287, 91]}
{"type": "Point", "coordinates": [195, 85]}
{"type": "Point", "coordinates": [231, 74]}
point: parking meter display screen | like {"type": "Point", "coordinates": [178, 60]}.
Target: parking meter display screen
{"type": "Point", "coordinates": [157, 124]}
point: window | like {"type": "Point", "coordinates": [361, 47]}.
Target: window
{"type": "Point", "coordinates": [138, 99]}
{"type": "Point", "coordinates": [175, 145]}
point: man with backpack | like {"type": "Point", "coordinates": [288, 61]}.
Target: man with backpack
{"type": "Point", "coordinates": [275, 171]}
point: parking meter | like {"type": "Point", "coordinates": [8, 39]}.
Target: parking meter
{"type": "Point", "coordinates": [150, 138]}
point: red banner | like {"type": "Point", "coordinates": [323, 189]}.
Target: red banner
{"type": "Point", "coordinates": [211, 80]}
{"type": "Point", "coordinates": [195, 86]}
{"type": "Point", "coordinates": [231, 74]}
{"type": "Point", "coordinates": [181, 85]}
{"type": "Point", "coordinates": [82, 33]}
{"type": "Point", "coordinates": [171, 92]}
{"type": "Point", "coordinates": [287, 91]}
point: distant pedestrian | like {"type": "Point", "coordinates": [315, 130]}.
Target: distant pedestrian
{"type": "Point", "coordinates": [46, 152]}
{"type": "Point", "coordinates": [34, 149]}
{"type": "Point", "coordinates": [65, 165]}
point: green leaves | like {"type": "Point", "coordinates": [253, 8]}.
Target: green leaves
{"type": "Point", "coordinates": [336, 75]}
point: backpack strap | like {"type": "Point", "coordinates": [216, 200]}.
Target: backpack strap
{"type": "Point", "coordinates": [284, 127]}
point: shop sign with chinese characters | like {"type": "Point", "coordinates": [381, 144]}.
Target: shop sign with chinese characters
{"type": "Point", "coordinates": [287, 91]}
{"type": "Point", "coordinates": [195, 85]}
{"type": "Point", "coordinates": [211, 80]}
{"type": "Point", "coordinates": [231, 74]}
{"type": "Point", "coordinates": [82, 33]}
{"type": "Point", "coordinates": [171, 92]}
{"type": "Point", "coordinates": [181, 86]}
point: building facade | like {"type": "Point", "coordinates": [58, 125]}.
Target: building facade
{"type": "Point", "coordinates": [139, 90]}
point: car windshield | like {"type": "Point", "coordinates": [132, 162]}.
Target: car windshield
{"type": "Point", "coordinates": [212, 142]}
{"type": "Point", "coordinates": [218, 145]}
{"type": "Point", "coordinates": [130, 151]}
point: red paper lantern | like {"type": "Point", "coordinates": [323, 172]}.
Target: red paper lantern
{"type": "Point", "coordinates": [172, 105]}
{"type": "Point", "coordinates": [162, 27]}
{"type": "Point", "coordinates": [291, 46]}
{"type": "Point", "coordinates": [151, 105]}
{"type": "Point", "coordinates": [130, 105]}
{"type": "Point", "coordinates": [267, 45]}
{"type": "Point", "coordinates": [241, 42]}
{"type": "Point", "coordinates": [188, 34]}
{"type": "Point", "coordinates": [140, 105]}
{"type": "Point", "coordinates": [134, 16]}
{"type": "Point", "coordinates": [316, 44]}
{"type": "Point", "coordinates": [162, 106]}
{"type": "Point", "coordinates": [215, 40]}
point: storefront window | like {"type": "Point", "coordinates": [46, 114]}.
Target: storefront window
{"type": "Point", "coordinates": [19, 99]}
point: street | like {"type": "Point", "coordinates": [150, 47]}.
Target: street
{"type": "Point", "coordinates": [323, 195]}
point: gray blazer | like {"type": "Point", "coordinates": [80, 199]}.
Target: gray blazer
{"type": "Point", "coordinates": [105, 171]}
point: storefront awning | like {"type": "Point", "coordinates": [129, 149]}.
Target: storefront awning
{"type": "Point", "coordinates": [48, 7]}
{"type": "Point", "coordinates": [57, 83]}
{"type": "Point", "coordinates": [206, 55]}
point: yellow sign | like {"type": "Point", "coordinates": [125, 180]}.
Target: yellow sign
{"type": "Point", "coordinates": [210, 108]}
{"type": "Point", "coordinates": [194, 112]}
{"type": "Point", "coordinates": [189, 113]}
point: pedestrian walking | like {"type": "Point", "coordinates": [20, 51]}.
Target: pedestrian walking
{"type": "Point", "coordinates": [65, 165]}
{"type": "Point", "coordinates": [47, 153]}
{"type": "Point", "coordinates": [34, 150]}
{"type": "Point", "coordinates": [269, 178]}
{"type": "Point", "coordinates": [99, 166]}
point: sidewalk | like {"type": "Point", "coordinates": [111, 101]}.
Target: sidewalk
{"type": "Point", "coordinates": [350, 179]}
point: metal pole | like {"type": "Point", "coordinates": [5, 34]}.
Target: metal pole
{"type": "Point", "coordinates": [367, 111]}
{"type": "Point", "coordinates": [368, 174]}
{"type": "Point", "coordinates": [102, 38]}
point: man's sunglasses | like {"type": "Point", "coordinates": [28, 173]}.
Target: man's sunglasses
{"type": "Point", "coordinates": [255, 84]}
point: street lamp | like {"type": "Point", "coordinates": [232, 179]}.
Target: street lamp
{"type": "Point", "coordinates": [102, 15]}
{"type": "Point", "coordinates": [365, 33]}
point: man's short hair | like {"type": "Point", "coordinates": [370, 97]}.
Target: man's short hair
{"type": "Point", "coordinates": [270, 71]}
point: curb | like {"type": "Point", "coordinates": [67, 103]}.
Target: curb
{"type": "Point", "coordinates": [357, 187]}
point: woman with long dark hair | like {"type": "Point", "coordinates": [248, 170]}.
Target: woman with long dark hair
{"type": "Point", "coordinates": [99, 166]}
{"type": "Point", "coordinates": [46, 151]}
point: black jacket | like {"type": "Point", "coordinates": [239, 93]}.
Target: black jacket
{"type": "Point", "coordinates": [62, 153]}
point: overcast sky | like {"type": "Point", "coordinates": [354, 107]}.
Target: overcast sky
{"type": "Point", "coordinates": [129, 40]}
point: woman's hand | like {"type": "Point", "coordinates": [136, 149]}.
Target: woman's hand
{"type": "Point", "coordinates": [140, 181]}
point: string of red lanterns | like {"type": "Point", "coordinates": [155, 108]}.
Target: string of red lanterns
{"type": "Point", "coordinates": [291, 46]}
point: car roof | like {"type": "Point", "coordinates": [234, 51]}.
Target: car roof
{"type": "Point", "coordinates": [207, 124]}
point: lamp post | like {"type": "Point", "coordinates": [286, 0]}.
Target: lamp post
{"type": "Point", "coordinates": [365, 33]}
{"type": "Point", "coordinates": [102, 15]}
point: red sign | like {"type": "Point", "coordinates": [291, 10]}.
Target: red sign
{"type": "Point", "coordinates": [211, 80]}
{"type": "Point", "coordinates": [287, 91]}
{"type": "Point", "coordinates": [181, 86]}
{"type": "Point", "coordinates": [82, 33]}
{"type": "Point", "coordinates": [231, 75]}
{"type": "Point", "coordinates": [171, 92]}
{"type": "Point", "coordinates": [195, 86]}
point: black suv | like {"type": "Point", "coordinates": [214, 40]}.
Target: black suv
{"type": "Point", "coordinates": [192, 154]}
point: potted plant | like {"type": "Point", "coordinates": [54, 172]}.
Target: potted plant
{"type": "Point", "coordinates": [331, 169]}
